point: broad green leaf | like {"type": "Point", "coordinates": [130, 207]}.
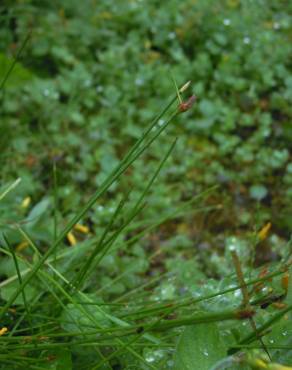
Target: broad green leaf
{"type": "Point", "coordinates": [199, 348]}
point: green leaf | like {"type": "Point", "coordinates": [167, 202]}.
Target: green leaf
{"type": "Point", "coordinates": [64, 360]}
{"type": "Point", "coordinates": [8, 290]}
{"type": "Point", "coordinates": [19, 75]}
{"type": "Point", "coordinates": [281, 332]}
{"type": "Point", "coordinates": [199, 348]}
{"type": "Point", "coordinates": [258, 192]}
{"type": "Point", "coordinates": [38, 210]}
{"type": "Point", "coordinates": [58, 360]}
{"type": "Point", "coordinates": [74, 319]}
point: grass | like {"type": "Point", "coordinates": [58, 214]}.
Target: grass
{"type": "Point", "coordinates": [125, 329]}
{"type": "Point", "coordinates": [66, 307]}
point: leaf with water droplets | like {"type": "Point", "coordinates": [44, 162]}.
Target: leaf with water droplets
{"type": "Point", "coordinates": [199, 348]}
{"type": "Point", "coordinates": [281, 331]}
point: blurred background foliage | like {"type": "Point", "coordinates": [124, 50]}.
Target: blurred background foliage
{"type": "Point", "coordinates": [91, 77]}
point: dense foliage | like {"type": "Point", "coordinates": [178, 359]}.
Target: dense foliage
{"type": "Point", "coordinates": [87, 78]}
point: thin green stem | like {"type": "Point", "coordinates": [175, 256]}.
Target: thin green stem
{"type": "Point", "coordinates": [124, 165]}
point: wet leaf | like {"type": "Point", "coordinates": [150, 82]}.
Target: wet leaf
{"type": "Point", "coordinates": [199, 348]}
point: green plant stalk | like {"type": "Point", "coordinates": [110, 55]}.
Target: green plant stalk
{"type": "Point", "coordinates": [106, 184]}
{"type": "Point", "coordinates": [202, 318]}
{"type": "Point", "coordinates": [55, 194]}
{"type": "Point", "coordinates": [161, 308]}
{"type": "Point", "coordinates": [133, 341]}
{"type": "Point", "coordinates": [261, 329]}
{"type": "Point", "coordinates": [44, 278]}
{"type": "Point", "coordinates": [190, 320]}
{"type": "Point", "coordinates": [15, 60]}
{"type": "Point", "coordinates": [103, 249]}
{"type": "Point", "coordinates": [10, 187]}
{"type": "Point", "coordinates": [175, 214]}
{"type": "Point", "coordinates": [189, 301]}
{"type": "Point", "coordinates": [87, 342]}
{"type": "Point", "coordinates": [260, 279]}
{"type": "Point", "coordinates": [107, 245]}
{"type": "Point", "coordinates": [20, 281]}
{"type": "Point", "coordinates": [84, 271]}
{"type": "Point", "coordinates": [16, 363]}
{"type": "Point", "coordinates": [85, 312]}
{"type": "Point", "coordinates": [185, 302]}
{"type": "Point", "coordinates": [155, 175]}
{"type": "Point", "coordinates": [61, 255]}
{"type": "Point", "coordinates": [69, 313]}
{"type": "Point", "coordinates": [61, 289]}
{"type": "Point", "coordinates": [181, 210]}
{"type": "Point", "coordinates": [65, 253]}
{"type": "Point", "coordinates": [117, 321]}
{"type": "Point", "coordinates": [121, 325]}
{"type": "Point", "coordinates": [245, 296]}
{"type": "Point", "coordinates": [17, 357]}
{"type": "Point", "coordinates": [257, 346]}
{"type": "Point", "coordinates": [135, 290]}
{"type": "Point", "coordinates": [119, 277]}
{"type": "Point", "coordinates": [21, 318]}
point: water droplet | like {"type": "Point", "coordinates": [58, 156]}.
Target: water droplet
{"type": "Point", "coordinates": [196, 294]}
{"type": "Point", "coordinates": [149, 358]}
{"type": "Point", "coordinates": [183, 290]}
{"type": "Point", "coordinates": [276, 26]}
{"type": "Point", "coordinates": [265, 290]}
{"type": "Point", "coordinates": [159, 354]}
{"type": "Point", "coordinates": [171, 35]}
{"type": "Point", "coordinates": [284, 333]}
{"type": "Point", "coordinates": [205, 352]}
{"type": "Point", "coordinates": [139, 81]}
{"type": "Point", "coordinates": [271, 341]}
{"type": "Point", "coordinates": [160, 122]}
{"type": "Point", "coordinates": [152, 356]}
{"type": "Point", "coordinates": [237, 293]}
{"type": "Point", "coordinates": [100, 208]}
{"type": "Point", "coordinates": [226, 22]}
{"type": "Point", "coordinates": [246, 40]}
{"type": "Point", "coordinates": [46, 92]}
{"type": "Point", "coordinates": [232, 247]}
{"type": "Point", "coordinates": [99, 88]}
{"type": "Point", "coordinates": [87, 83]}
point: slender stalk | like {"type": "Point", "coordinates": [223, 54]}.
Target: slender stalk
{"type": "Point", "coordinates": [245, 296]}
{"type": "Point", "coordinates": [124, 165]}
{"type": "Point", "coordinates": [25, 303]}
{"type": "Point", "coordinates": [15, 60]}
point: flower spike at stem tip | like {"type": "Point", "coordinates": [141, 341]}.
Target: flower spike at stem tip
{"type": "Point", "coordinates": [185, 106]}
